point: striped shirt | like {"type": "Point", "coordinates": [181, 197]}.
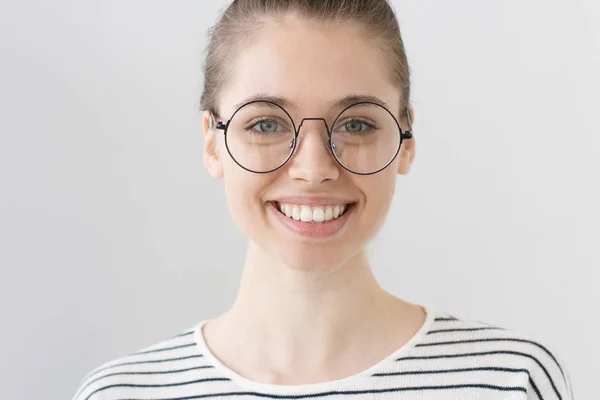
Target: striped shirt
{"type": "Point", "coordinates": [448, 358]}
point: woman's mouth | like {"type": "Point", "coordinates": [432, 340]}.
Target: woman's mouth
{"type": "Point", "coordinates": [312, 220]}
{"type": "Point", "coordinates": [316, 214]}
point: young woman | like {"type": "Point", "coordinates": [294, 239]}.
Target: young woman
{"type": "Point", "coordinates": [307, 118]}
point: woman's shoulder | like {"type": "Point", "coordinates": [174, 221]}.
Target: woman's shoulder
{"type": "Point", "coordinates": [477, 334]}
{"type": "Point", "coordinates": [175, 355]}
{"type": "Point", "coordinates": [483, 346]}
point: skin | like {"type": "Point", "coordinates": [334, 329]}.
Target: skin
{"type": "Point", "coordinates": [298, 293]}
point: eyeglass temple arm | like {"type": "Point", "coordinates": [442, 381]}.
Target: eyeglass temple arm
{"type": "Point", "coordinates": [214, 123]}
{"type": "Point", "coordinates": [408, 134]}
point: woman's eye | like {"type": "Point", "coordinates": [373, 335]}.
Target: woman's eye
{"type": "Point", "coordinates": [268, 126]}
{"type": "Point", "coordinates": [354, 126]}
{"type": "Point", "coordinates": [357, 126]}
{"type": "Point", "coordinates": [265, 126]}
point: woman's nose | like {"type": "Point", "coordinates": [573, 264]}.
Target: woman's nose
{"type": "Point", "coordinates": [312, 160]}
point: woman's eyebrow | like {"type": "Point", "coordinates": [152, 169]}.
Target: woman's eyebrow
{"type": "Point", "coordinates": [335, 104]}
{"type": "Point", "coordinates": [280, 101]}
{"type": "Point", "coordinates": [357, 98]}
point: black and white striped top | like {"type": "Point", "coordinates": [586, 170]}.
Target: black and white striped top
{"type": "Point", "coordinates": [448, 358]}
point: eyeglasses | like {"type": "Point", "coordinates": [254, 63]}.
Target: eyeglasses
{"type": "Point", "coordinates": [365, 137]}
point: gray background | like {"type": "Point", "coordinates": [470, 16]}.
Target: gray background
{"type": "Point", "coordinates": [115, 237]}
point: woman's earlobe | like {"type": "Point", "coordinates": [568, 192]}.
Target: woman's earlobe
{"type": "Point", "coordinates": [212, 158]}
{"type": "Point", "coordinates": [407, 156]}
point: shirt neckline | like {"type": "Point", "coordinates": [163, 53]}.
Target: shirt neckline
{"type": "Point", "coordinates": [260, 387]}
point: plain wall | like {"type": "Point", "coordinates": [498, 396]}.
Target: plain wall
{"type": "Point", "coordinates": [113, 235]}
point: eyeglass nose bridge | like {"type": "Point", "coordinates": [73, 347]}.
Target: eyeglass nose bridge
{"type": "Point", "coordinates": [313, 119]}
{"type": "Point", "coordinates": [294, 143]}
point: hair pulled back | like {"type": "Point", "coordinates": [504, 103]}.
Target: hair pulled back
{"type": "Point", "coordinates": [242, 20]}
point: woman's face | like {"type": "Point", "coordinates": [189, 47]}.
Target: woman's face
{"type": "Point", "coordinates": [311, 67]}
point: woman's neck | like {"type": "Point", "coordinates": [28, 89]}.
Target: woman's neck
{"type": "Point", "coordinates": [285, 319]}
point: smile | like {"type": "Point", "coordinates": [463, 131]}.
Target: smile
{"type": "Point", "coordinates": [312, 214]}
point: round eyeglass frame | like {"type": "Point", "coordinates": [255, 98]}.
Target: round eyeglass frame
{"type": "Point", "coordinates": [403, 136]}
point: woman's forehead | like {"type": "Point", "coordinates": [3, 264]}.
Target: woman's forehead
{"type": "Point", "coordinates": [315, 66]}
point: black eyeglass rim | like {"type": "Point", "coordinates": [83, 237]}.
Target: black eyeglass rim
{"type": "Point", "coordinates": [403, 136]}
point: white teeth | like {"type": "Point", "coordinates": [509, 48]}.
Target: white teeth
{"type": "Point", "coordinates": [328, 214]}
{"type": "Point", "coordinates": [296, 213]}
{"type": "Point", "coordinates": [306, 214]}
{"type": "Point", "coordinates": [336, 211]}
{"type": "Point", "coordinates": [315, 214]}
{"type": "Point", "coordinates": [318, 214]}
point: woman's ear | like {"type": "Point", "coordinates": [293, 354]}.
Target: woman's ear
{"type": "Point", "coordinates": [407, 152]}
{"type": "Point", "coordinates": [212, 157]}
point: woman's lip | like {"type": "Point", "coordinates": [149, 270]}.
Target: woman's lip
{"type": "Point", "coordinates": [313, 201]}
{"type": "Point", "coordinates": [348, 204]}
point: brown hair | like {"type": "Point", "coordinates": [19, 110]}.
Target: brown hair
{"type": "Point", "coordinates": [238, 24]}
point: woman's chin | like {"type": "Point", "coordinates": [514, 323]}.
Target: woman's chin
{"type": "Point", "coordinates": [311, 258]}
